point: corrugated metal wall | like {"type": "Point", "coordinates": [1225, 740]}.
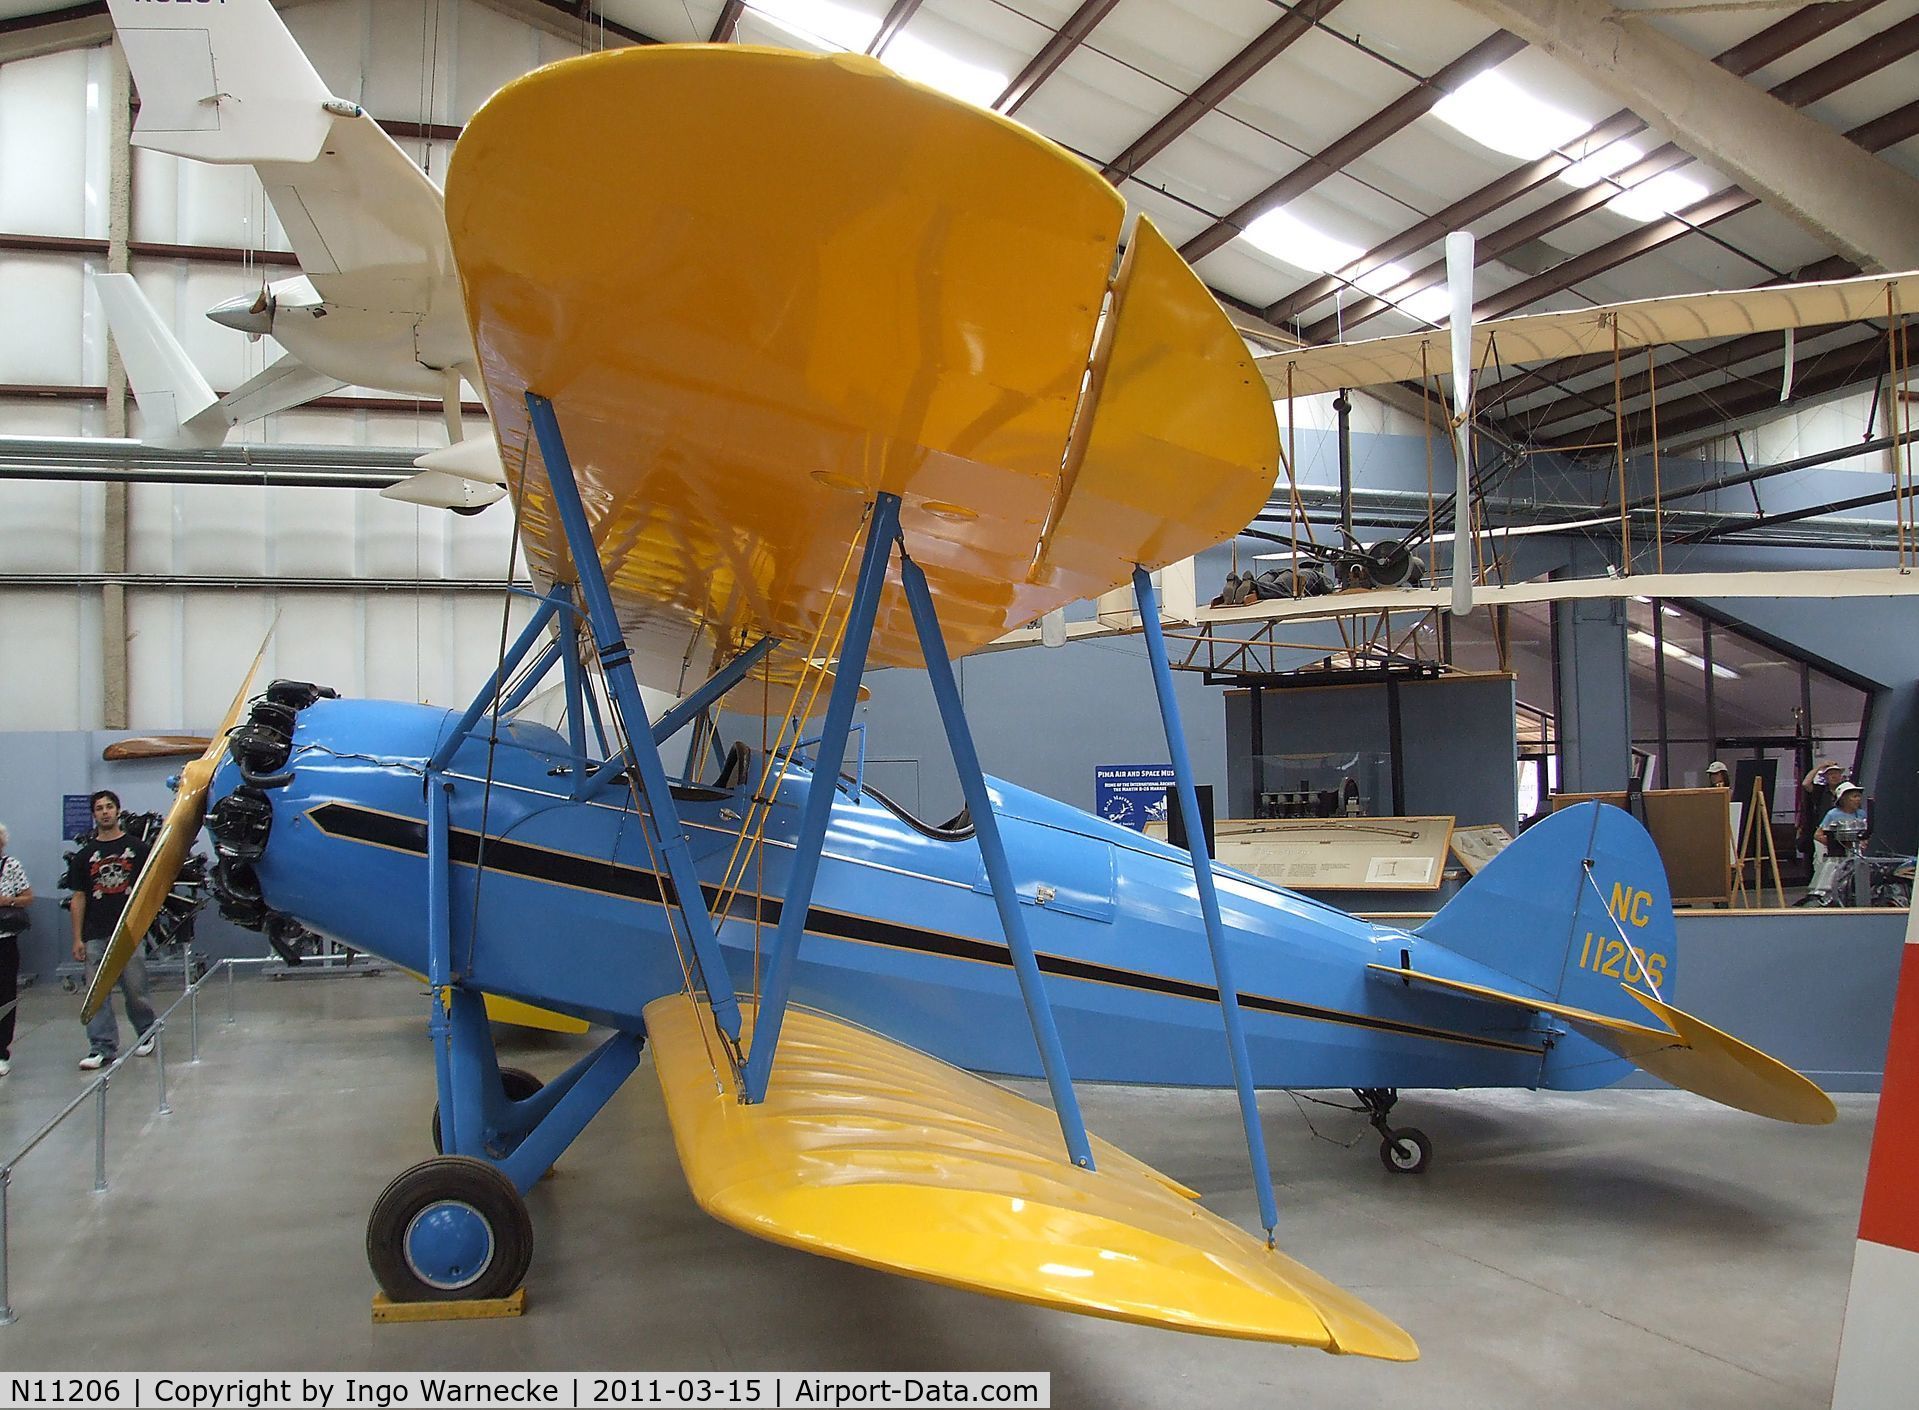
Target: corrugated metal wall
{"type": "Point", "coordinates": [403, 60]}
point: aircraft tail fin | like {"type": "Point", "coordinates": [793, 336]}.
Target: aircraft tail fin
{"type": "Point", "coordinates": [222, 83]}
{"type": "Point", "coordinates": [172, 394]}
{"type": "Point", "coordinates": [1577, 918]}
{"type": "Point", "coordinates": [1576, 906]}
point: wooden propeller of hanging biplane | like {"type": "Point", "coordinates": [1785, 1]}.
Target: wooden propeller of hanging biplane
{"type": "Point", "coordinates": [865, 384]}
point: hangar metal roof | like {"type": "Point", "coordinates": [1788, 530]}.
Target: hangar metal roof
{"type": "Point", "coordinates": [1310, 155]}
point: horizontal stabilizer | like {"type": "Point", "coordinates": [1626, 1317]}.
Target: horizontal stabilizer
{"type": "Point", "coordinates": [870, 1152]}
{"type": "Point", "coordinates": [283, 384]}
{"type": "Point", "coordinates": [221, 83]}
{"type": "Point", "coordinates": [1688, 1052]}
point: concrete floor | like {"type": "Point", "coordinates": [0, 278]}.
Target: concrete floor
{"type": "Point", "coordinates": [1619, 1249]}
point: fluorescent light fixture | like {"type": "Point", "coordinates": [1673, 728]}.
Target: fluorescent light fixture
{"type": "Point", "coordinates": [1679, 653]}
{"type": "Point", "coordinates": [1657, 197]}
{"type": "Point", "coordinates": [820, 22]}
{"type": "Point", "coordinates": [1496, 112]}
{"type": "Point", "coordinates": [921, 62]}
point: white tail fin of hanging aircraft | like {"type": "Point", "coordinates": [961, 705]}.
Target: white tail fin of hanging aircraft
{"type": "Point", "coordinates": [176, 404]}
{"type": "Point", "coordinates": [173, 396]}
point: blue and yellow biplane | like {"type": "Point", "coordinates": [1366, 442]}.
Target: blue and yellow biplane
{"type": "Point", "coordinates": [825, 370]}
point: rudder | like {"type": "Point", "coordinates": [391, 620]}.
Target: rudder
{"type": "Point", "coordinates": [1574, 909]}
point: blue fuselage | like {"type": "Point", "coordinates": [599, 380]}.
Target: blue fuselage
{"type": "Point", "coordinates": [564, 910]}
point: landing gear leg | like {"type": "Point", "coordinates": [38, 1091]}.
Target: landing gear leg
{"type": "Point", "coordinates": [1403, 1149]}
{"type": "Point", "coordinates": [456, 1226]}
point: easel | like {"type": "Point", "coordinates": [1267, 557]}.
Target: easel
{"type": "Point", "coordinates": [1755, 846]}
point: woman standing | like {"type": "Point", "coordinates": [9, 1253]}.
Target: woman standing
{"type": "Point", "coordinates": [15, 896]}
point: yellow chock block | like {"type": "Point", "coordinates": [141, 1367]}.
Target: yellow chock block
{"type": "Point", "coordinates": [449, 1310]}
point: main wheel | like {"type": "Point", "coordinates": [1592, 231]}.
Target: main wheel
{"type": "Point", "coordinates": [517, 1082]}
{"type": "Point", "coordinates": [1406, 1151]}
{"type": "Point", "coordinates": [449, 1228]}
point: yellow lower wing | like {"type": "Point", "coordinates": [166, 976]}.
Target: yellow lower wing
{"type": "Point", "coordinates": [1689, 1052]}
{"type": "Point", "coordinates": [869, 1151]}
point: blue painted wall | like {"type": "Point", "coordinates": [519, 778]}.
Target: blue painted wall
{"type": "Point", "coordinates": [36, 768]}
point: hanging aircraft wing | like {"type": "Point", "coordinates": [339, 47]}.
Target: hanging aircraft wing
{"type": "Point", "coordinates": [804, 281]}
{"type": "Point", "coordinates": [1539, 337]}
{"type": "Point", "coordinates": [869, 1151]}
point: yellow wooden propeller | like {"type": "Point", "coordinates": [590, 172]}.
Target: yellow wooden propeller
{"type": "Point", "coordinates": [168, 853]}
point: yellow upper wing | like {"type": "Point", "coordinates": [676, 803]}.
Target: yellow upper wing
{"type": "Point", "coordinates": [761, 286]}
{"type": "Point", "coordinates": [869, 1151]}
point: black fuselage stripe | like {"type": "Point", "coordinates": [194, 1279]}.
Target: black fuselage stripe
{"type": "Point", "coordinates": [344, 820]}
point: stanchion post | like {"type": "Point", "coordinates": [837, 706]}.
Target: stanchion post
{"type": "Point", "coordinates": [100, 1139]}
{"type": "Point", "coordinates": [193, 1009]}
{"type": "Point", "coordinates": [229, 990]}
{"type": "Point", "coordinates": [6, 1303]}
{"type": "Point", "coordinates": [159, 1032]}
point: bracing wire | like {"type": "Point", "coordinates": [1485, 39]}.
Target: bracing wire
{"type": "Point", "coordinates": [493, 729]}
{"type": "Point", "coordinates": [760, 808]}
{"type": "Point", "coordinates": [691, 976]}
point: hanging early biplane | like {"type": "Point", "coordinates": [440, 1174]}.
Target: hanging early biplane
{"type": "Point", "coordinates": [836, 371]}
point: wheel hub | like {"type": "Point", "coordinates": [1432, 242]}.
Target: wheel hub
{"type": "Point", "coordinates": [448, 1245]}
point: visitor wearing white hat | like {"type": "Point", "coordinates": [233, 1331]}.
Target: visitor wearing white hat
{"type": "Point", "coordinates": [1718, 775]}
{"type": "Point", "coordinates": [1839, 835]}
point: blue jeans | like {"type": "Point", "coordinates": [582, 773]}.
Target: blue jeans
{"type": "Point", "coordinates": [103, 1029]}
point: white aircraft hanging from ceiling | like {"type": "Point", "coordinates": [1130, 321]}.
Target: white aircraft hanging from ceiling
{"type": "Point", "coordinates": [377, 302]}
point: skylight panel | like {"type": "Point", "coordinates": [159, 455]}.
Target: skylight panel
{"type": "Point", "coordinates": [1602, 161]}
{"type": "Point", "coordinates": [816, 24]}
{"type": "Point", "coordinates": [820, 22]}
{"type": "Point", "coordinates": [1496, 112]}
{"type": "Point", "coordinates": [1432, 305]}
{"type": "Point", "coordinates": [1292, 241]}
{"type": "Point", "coordinates": [921, 62]}
{"type": "Point", "coordinates": [1657, 197]}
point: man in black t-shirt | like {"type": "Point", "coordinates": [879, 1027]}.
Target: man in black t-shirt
{"type": "Point", "coordinates": [101, 877]}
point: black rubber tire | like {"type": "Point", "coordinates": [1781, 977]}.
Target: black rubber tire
{"type": "Point", "coordinates": [519, 1084]}
{"type": "Point", "coordinates": [449, 1177]}
{"type": "Point", "coordinates": [1406, 1152]}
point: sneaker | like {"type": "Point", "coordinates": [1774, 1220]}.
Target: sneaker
{"type": "Point", "coordinates": [145, 1049]}
{"type": "Point", "coordinates": [93, 1061]}
{"type": "Point", "coordinates": [6, 1066]}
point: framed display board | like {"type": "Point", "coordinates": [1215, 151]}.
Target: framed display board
{"type": "Point", "coordinates": [1335, 854]}
{"type": "Point", "coordinates": [1692, 828]}
{"type": "Point", "coordinates": [1476, 846]}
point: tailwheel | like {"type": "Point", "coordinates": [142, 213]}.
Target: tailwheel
{"type": "Point", "coordinates": [516, 1082]}
{"type": "Point", "coordinates": [1402, 1149]}
{"type": "Point", "coordinates": [450, 1228]}
{"type": "Point", "coordinates": [1406, 1151]}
